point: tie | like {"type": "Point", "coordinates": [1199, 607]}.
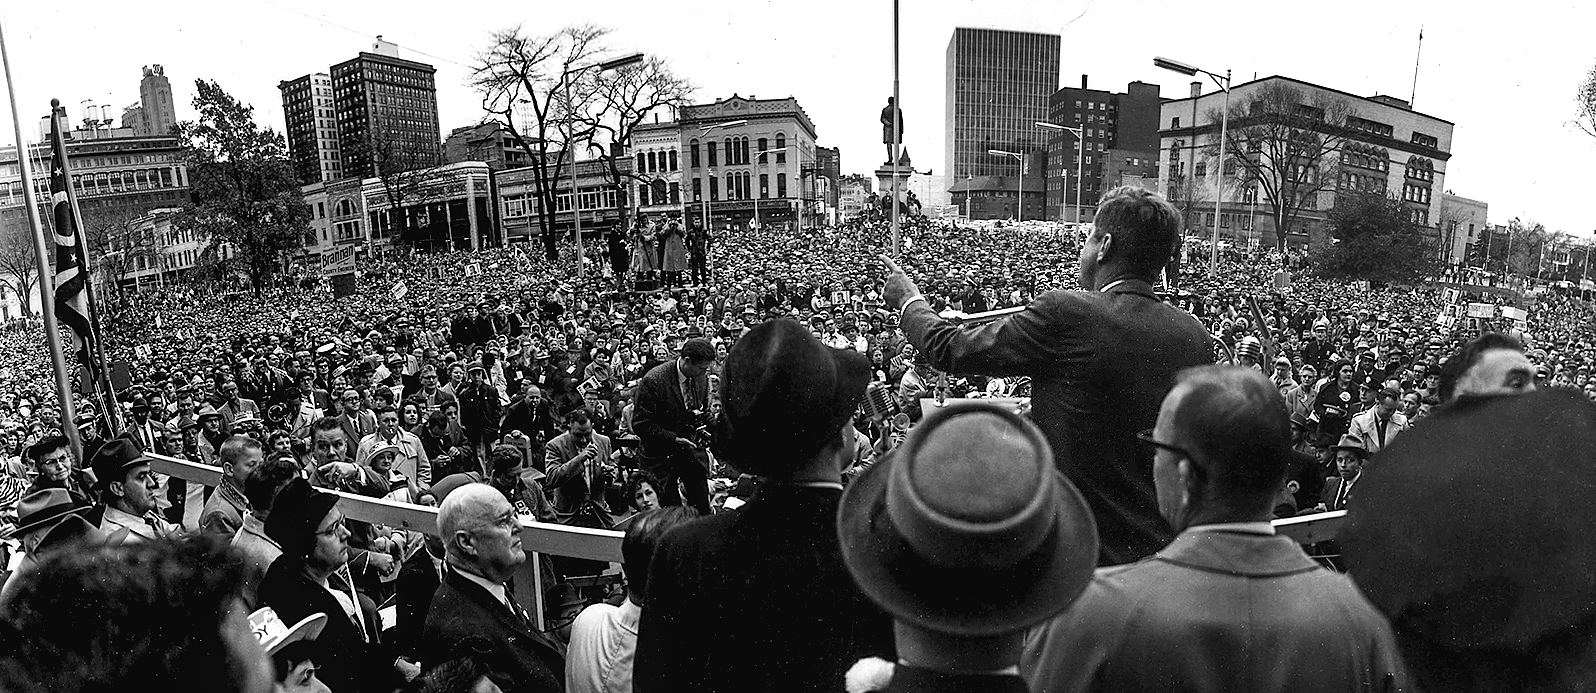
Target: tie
{"type": "Point", "coordinates": [1379, 431]}
{"type": "Point", "coordinates": [1341, 495]}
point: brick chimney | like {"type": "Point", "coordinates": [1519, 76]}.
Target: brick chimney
{"type": "Point", "coordinates": [1196, 89]}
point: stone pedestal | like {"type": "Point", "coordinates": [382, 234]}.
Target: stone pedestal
{"type": "Point", "coordinates": [890, 186]}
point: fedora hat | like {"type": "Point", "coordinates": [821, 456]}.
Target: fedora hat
{"type": "Point", "coordinates": [273, 634]}
{"type": "Point", "coordinates": [1353, 442]}
{"type": "Point", "coordinates": [73, 529]}
{"type": "Point", "coordinates": [41, 508]}
{"type": "Point", "coordinates": [114, 458]}
{"type": "Point", "coordinates": [784, 396]}
{"type": "Point", "coordinates": [968, 529]}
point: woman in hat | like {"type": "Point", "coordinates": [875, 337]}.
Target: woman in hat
{"type": "Point", "coordinates": [310, 578]}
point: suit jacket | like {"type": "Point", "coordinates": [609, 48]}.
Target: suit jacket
{"type": "Point", "coordinates": [357, 427]}
{"type": "Point", "coordinates": [345, 661]}
{"type": "Point", "coordinates": [568, 481]}
{"type": "Point", "coordinates": [660, 416]}
{"type": "Point", "coordinates": [1332, 490]}
{"type": "Point", "coordinates": [521, 659]}
{"type": "Point", "coordinates": [756, 599]}
{"type": "Point", "coordinates": [1100, 364]}
{"type": "Point", "coordinates": [1217, 610]}
{"type": "Point", "coordinates": [418, 581]}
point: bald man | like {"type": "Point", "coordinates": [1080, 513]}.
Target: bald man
{"type": "Point", "coordinates": [481, 536]}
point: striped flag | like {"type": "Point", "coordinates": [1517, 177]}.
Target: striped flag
{"type": "Point", "coordinates": [71, 278]}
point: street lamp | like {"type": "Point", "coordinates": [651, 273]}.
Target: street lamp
{"type": "Point", "coordinates": [1080, 161]}
{"type": "Point", "coordinates": [576, 198]}
{"type": "Point", "coordinates": [1224, 131]}
{"type": "Point", "coordinates": [1019, 210]}
{"type": "Point", "coordinates": [704, 131]}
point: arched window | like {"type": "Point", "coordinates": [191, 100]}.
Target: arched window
{"type": "Point", "coordinates": [763, 145]}
{"type": "Point", "coordinates": [714, 189]}
{"type": "Point", "coordinates": [659, 191]}
{"type": "Point", "coordinates": [692, 153]}
{"type": "Point", "coordinates": [642, 195]}
{"type": "Point", "coordinates": [781, 156]}
{"type": "Point", "coordinates": [713, 153]}
{"type": "Point", "coordinates": [764, 185]}
{"type": "Point", "coordinates": [641, 167]}
{"type": "Point", "coordinates": [781, 185]}
{"type": "Point", "coordinates": [673, 159]}
{"type": "Point", "coordinates": [748, 180]}
{"type": "Point", "coordinates": [745, 150]}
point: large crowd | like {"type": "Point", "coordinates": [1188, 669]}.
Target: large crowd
{"type": "Point", "coordinates": [504, 388]}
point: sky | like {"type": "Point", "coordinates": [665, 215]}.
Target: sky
{"type": "Point", "coordinates": [1506, 76]}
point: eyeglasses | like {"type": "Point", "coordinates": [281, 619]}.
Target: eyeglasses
{"type": "Point", "coordinates": [1146, 438]}
{"type": "Point", "coordinates": [333, 530]}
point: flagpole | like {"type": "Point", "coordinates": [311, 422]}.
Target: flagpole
{"type": "Point", "coordinates": [101, 369]}
{"type": "Point", "coordinates": [52, 331]}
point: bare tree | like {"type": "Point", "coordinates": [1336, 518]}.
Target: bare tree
{"type": "Point", "coordinates": [409, 177]}
{"type": "Point", "coordinates": [528, 84]}
{"type": "Point", "coordinates": [1585, 97]}
{"type": "Point", "coordinates": [623, 99]}
{"type": "Point", "coordinates": [18, 262]}
{"type": "Point", "coordinates": [116, 242]}
{"type": "Point", "coordinates": [1286, 142]}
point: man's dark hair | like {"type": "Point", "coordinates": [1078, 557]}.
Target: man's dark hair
{"type": "Point", "coordinates": [384, 409]}
{"type": "Point", "coordinates": [578, 415]}
{"type": "Point", "coordinates": [292, 655]}
{"type": "Point", "coordinates": [642, 535]}
{"type": "Point", "coordinates": [48, 444]}
{"type": "Point", "coordinates": [698, 350]}
{"type": "Point", "coordinates": [261, 487]}
{"type": "Point", "coordinates": [1146, 228]}
{"type": "Point", "coordinates": [1233, 418]}
{"type": "Point", "coordinates": [146, 616]}
{"type": "Point", "coordinates": [324, 424]}
{"type": "Point", "coordinates": [504, 458]}
{"type": "Point", "coordinates": [1466, 357]}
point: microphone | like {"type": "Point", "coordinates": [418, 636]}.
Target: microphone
{"type": "Point", "coordinates": [878, 403]}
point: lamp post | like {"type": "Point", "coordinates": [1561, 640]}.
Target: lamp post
{"type": "Point", "coordinates": [1019, 210]}
{"type": "Point", "coordinates": [705, 130]}
{"type": "Point", "coordinates": [570, 134]}
{"type": "Point", "coordinates": [1080, 161]}
{"type": "Point", "coordinates": [1224, 132]}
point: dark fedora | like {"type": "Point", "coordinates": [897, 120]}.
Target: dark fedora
{"type": "Point", "coordinates": [42, 508]}
{"type": "Point", "coordinates": [968, 529]}
{"type": "Point", "coordinates": [114, 458]}
{"type": "Point", "coordinates": [1504, 566]}
{"type": "Point", "coordinates": [296, 511]}
{"type": "Point", "coordinates": [784, 396]}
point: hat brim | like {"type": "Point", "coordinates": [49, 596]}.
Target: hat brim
{"type": "Point", "coordinates": [55, 515]}
{"type": "Point", "coordinates": [306, 629]}
{"type": "Point", "coordinates": [988, 602]}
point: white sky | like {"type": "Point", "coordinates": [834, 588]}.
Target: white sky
{"type": "Point", "coordinates": [1506, 76]}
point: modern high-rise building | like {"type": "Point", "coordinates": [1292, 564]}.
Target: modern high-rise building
{"type": "Point", "coordinates": [998, 84]}
{"type": "Point", "coordinates": [1120, 134]}
{"type": "Point", "coordinates": [311, 127]}
{"type": "Point", "coordinates": [383, 111]}
{"type": "Point", "coordinates": [159, 114]}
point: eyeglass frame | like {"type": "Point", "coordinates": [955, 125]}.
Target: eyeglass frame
{"type": "Point", "coordinates": [1145, 437]}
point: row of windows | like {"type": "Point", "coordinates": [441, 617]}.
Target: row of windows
{"type": "Point", "coordinates": [1412, 192]}
{"type": "Point", "coordinates": [1369, 126]}
{"type": "Point", "coordinates": [654, 162]}
{"type": "Point", "coordinates": [737, 187]}
{"type": "Point", "coordinates": [657, 193]}
{"type": "Point", "coordinates": [1365, 156]}
{"type": "Point", "coordinates": [1420, 168]}
{"type": "Point", "coordinates": [1426, 141]}
{"type": "Point", "coordinates": [736, 151]}
{"type": "Point", "coordinates": [1362, 182]}
{"type": "Point", "coordinates": [1419, 216]}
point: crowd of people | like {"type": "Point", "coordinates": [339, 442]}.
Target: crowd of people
{"type": "Point", "coordinates": [750, 411]}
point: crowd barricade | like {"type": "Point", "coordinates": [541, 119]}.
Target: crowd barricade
{"type": "Point", "coordinates": [536, 537]}
{"type": "Point", "coordinates": [1312, 529]}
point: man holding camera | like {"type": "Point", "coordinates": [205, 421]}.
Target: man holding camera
{"type": "Point", "coordinates": [671, 417]}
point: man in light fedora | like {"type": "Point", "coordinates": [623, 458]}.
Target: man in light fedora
{"type": "Point", "coordinates": [967, 536]}
{"type": "Point", "coordinates": [759, 599]}
{"type": "Point", "coordinates": [1228, 605]}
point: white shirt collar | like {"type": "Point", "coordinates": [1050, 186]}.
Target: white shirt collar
{"type": "Point", "coordinates": [494, 588]}
{"type": "Point", "coordinates": [1261, 527]}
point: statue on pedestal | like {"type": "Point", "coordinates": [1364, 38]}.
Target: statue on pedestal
{"type": "Point", "coordinates": [886, 126]}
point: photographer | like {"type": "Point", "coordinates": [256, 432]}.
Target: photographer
{"type": "Point", "coordinates": [671, 417]}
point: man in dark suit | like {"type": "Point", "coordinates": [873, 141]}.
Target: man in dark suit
{"type": "Point", "coordinates": [672, 401]}
{"type": "Point", "coordinates": [1350, 453]}
{"type": "Point", "coordinates": [482, 541]}
{"type": "Point", "coordinates": [1100, 362]}
{"type": "Point", "coordinates": [418, 581]}
{"type": "Point", "coordinates": [759, 599]}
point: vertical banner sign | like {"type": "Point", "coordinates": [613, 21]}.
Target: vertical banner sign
{"type": "Point", "coordinates": [71, 279]}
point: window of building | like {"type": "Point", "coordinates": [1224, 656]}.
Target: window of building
{"type": "Point", "coordinates": [698, 190]}
{"type": "Point", "coordinates": [672, 158]}
{"type": "Point", "coordinates": [1201, 168]}
{"type": "Point", "coordinates": [763, 145]}
{"type": "Point", "coordinates": [781, 185]}
{"type": "Point", "coordinates": [1174, 122]}
{"type": "Point", "coordinates": [676, 190]}
{"type": "Point", "coordinates": [781, 153]}
{"type": "Point", "coordinates": [642, 195]}
{"type": "Point", "coordinates": [714, 189]}
{"type": "Point", "coordinates": [692, 153]}
{"type": "Point", "coordinates": [713, 155]}
{"type": "Point", "coordinates": [640, 164]}
{"type": "Point", "coordinates": [764, 185]}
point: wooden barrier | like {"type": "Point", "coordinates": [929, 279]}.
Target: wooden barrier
{"type": "Point", "coordinates": [536, 537]}
{"type": "Point", "coordinates": [1311, 529]}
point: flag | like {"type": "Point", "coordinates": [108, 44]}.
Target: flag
{"type": "Point", "coordinates": [71, 278]}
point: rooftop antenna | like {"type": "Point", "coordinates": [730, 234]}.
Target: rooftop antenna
{"type": "Point", "coordinates": [1416, 54]}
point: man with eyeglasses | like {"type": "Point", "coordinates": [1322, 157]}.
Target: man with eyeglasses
{"type": "Point", "coordinates": [481, 535]}
{"type": "Point", "coordinates": [356, 420]}
{"type": "Point", "coordinates": [1220, 456]}
{"type": "Point", "coordinates": [235, 406]}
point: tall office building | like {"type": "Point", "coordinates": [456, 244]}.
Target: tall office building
{"type": "Point", "coordinates": [383, 110]}
{"type": "Point", "coordinates": [1120, 134]}
{"type": "Point", "coordinates": [312, 129]}
{"type": "Point", "coordinates": [158, 113]}
{"type": "Point", "coordinates": [998, 84]}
